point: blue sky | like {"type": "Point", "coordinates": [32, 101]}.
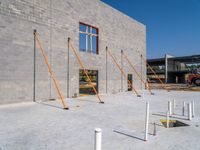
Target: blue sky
{"type": "Point", "coordinates": [173, 26]}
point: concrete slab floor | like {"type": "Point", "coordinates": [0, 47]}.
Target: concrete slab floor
{"type": "Point", "coordinates": [43, 125]}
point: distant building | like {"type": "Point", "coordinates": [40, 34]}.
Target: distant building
{"type": "Point", "coordinates": [173, 69]}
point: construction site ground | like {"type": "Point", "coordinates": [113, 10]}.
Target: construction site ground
{"type": "Point", "coordinates": [44, 125]}
{"type": "Point", "coordinates": [178, 87]}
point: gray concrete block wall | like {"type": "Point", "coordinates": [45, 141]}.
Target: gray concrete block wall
{"type": "Point", "coordinates": [55, 21]}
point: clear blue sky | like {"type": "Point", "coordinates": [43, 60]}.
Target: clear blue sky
{"type": "Point", "coordinates": [173, 26]}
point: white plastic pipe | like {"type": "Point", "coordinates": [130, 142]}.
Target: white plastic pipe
{"type": "Point", "coordinates": [183, 108]}
{"type": "Point", "coordinates": [189, 112]}
{"type": "Point", "coordinates": [174, 106]}
{"type": "Point", "coordinates": [167, 119]}
{"type": "Point", "coordinates": [170, 108]}
{"type": "Point", "coordinates": [146, 122]}
{"type": "Point", "coordinates": [193, 112]}
{"type": "Point", "coordinates": [98, 138]}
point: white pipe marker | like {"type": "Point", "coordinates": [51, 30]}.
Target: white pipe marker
{"type": "Point", "coordinates": [193, 112]}
{"type": "Point", "coordinates": [98, 138]}
{"type": "Point", "coordinates": [189, 112]}
{"type": "Point", "coordinates": [146, 122]}
{"type": "Point", "coordinates": [170, 108]}
{"type": "Point", "coordinates": [174, 106]}
{"type": "Point", "coordinates": [183, 108]}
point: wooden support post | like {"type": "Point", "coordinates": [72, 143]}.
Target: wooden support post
{"type": "Point", "coordinates": [85, 71]}
{"type": "Point", "coordinates": [148, 66]}
{"type": "Point", "coordinates": [139, 76]}
{"type": "Point", "coordinates": [122, 71]}
{"type": "Point", "coordinates": [50, 71]}
{"type": "Point", "coordinates": [157, 77]}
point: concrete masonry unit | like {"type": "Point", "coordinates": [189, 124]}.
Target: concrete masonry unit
{"type": "Point", "coordinates": [55, 21]}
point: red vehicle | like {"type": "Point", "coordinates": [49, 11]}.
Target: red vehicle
{"type": "Point", "coordinates": [194, 79]}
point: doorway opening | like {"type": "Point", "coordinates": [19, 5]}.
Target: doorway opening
{"type": "Point", "coordinates": [85, 88]}
{"type": "Point", "coordinates": [130, 82]}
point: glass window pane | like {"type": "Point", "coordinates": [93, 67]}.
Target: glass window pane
{"type": "Point", "coordinates": [89, 44]}
{"type": "Point", "coordinates": [89, 39]}
{"type": "Point", "coordinates": [94, 44]}
{"type": "Point", "coordinates": [82, 28]}
{"type": "Point", "coordinates": [94, 31]}
{"type": "Point", "coordinates": [89, 29]}
{"type": "Point", "coordinates": [82, 43]}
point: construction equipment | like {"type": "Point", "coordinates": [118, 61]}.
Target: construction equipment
{"type": "Point", "coordinates": [193, 79]}
{"type": "Point", "coordinates": [50, 70]}
{"type": "Point", "coordinates": [140, 76]}
{"type": "Point", "coordinates": [122, 71]}
{"type": "Point", "coordinates": [84, 70]}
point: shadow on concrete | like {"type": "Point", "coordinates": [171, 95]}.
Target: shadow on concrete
{"type": "Point", "coordinates": [128, 134]}
{"type": "Point", "coordinates": [157, 124]}
{"type": "Point", "coordinates": [86, 100]}
{"type": "Point", "coordinates": [50, 105]}
{"type": "Point", "coordinates": [175, 117]}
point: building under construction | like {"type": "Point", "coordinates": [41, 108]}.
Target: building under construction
{"type": "Point", "coordinates": [172, 69]}
{"type": "Point", "coordinates": [83, 44]}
